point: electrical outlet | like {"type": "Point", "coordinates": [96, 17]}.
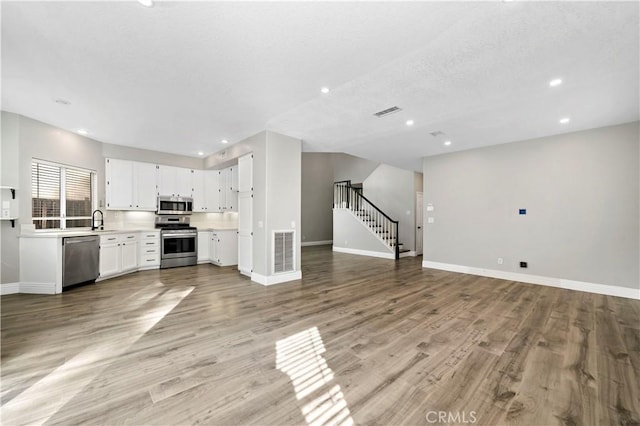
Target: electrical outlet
{"type": "Point", "coordinates": [500, 261]}
{"type": "Point", "coordinates": [523, 264]}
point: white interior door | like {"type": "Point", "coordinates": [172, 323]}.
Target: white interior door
{"type": "Point", "coordinates": [419, 222]}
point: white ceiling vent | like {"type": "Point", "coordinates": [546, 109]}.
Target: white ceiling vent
{"type": "Point", "coordinates": [436, 133]}
{"type": "Point", "coordinates": [387, 111]}
{"type": "Point", "coordinates": [284, 255]}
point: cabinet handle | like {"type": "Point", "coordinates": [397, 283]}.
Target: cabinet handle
{"type": "Point", "coordinates": [150, 244]}
{"type": "Point", "coordinates": [150, 251]}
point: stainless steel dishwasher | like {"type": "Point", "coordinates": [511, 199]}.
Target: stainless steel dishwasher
{"type": "Point", "coordinates": [80, 259]}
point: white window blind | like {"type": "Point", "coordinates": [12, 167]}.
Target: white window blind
{"type": "Point", "coordinates": [62, 197]}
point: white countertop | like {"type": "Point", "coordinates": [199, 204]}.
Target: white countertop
{"type": "Point", "coordinates": [85, 233]}
{"type": "Point", "coordinates": [216, 229]}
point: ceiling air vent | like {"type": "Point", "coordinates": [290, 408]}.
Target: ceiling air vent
{"type": "Point", "coordinates": [437, 133]}
{"type": "Point", "coordinates": [387, 111]}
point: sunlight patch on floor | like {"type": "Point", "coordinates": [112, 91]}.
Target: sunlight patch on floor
{"type": "Point", "coordinates": [38, 403]}
{"type": "Point", "coordinates": [300, 357]}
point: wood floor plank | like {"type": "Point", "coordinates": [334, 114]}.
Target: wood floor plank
{"type": "Point", "coordinates": [362, 340]}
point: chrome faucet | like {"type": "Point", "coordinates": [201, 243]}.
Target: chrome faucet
{"type": "Point", "coordinates": [93, 220]}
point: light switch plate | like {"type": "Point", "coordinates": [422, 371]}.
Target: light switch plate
{"type": "Point", "coordinates": [430, 207]}
{"type": "Point", "coordinates": [431, 220]}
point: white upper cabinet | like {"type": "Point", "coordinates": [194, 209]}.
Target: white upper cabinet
{"type": "Point", "coordinates": [205, 191]}
{"type": "Point", "coordinates": [212, 190]}
{"type": "Point", "coordinates": [145, 177]}
{"type": "Point", "coordinates": [199, 191]}
{"type": "Point", "coordinates": [228, 193]}
{"type": "Point", "coordinates": [245, 173]}
{"type": "Point", "coordinates": [232, 189]}
{"type": "Point", "coordinates": [119, 184]}
{"type": "Point", "coordinates": [175, 181]}
{"type": "Point", "coordinates": [130, 185]}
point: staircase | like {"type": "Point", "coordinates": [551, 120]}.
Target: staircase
{"type": "Point", "coordinates": [379, 223]}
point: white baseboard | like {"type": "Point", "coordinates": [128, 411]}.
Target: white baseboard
{"type": "Point", "coordinates": [411, 253]}
{"type": "Point", "coordinates": [605, 289]}
{"type": "Point", "coordinates": [364, 252]}
{"type": "Point", "coordinates": [38, 288]}
{"type": "Point", "coordinates": [276, 279]}
{"type": "Point", "coordinates": [316, 243]}
{"type": "Point", "coordinates": [9, 288]}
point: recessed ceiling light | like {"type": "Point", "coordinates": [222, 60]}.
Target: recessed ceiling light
{"type": "Point", "coordinates": [447, 143]}
{"type": "Point", "coordinates": [409, 122]}
{"type": "Point", "coordinates": [325, 90]}
{"type": "Point", "coordinates": [200, 153]}
{"type": "Point", "coordinates": [565, 120]}
{"type": "Point", "coordinates": [62, 101]}
{"type": "Point", "coordinates": [82, 132]}
{"type": "Point", "coordinates": [555, 82]}
{"type": "Point", "coordinates": [224, 141]}
{"type": "Point", "coordinates": [146, 3]}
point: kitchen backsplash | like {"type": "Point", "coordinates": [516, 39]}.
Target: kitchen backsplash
{"type": "Point", "coordinates": [114, 219]}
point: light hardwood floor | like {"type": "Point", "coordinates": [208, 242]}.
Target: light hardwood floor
{"type": "Point", "coordinates": [358, 340]}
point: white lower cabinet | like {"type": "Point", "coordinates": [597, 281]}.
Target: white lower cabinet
{"type": "Point", "coordinates": [204, 246]}
{"type": "Point", "coordinates": [224, 248]}
{"type": "Point", "coordinates": [118, 254]}
{"type": "Point", "coordinates": [149, 250]}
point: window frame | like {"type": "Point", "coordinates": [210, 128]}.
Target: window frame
{"type": "Point", "coordinates": [63, 196]}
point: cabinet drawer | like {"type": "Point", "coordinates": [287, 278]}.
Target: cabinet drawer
{"type": "Point", "coordinates": [149, 260]}
{"type": "Point", "coordinates": [109, 239]}
{"type": "Point", "coordinates": [129, 237]}
{"type": "Point", "coordinates": [150, 235]}
{"type": "Point", "coordinates": [149, 243]}
{"type": "Point", "coordinates": [149, 250]}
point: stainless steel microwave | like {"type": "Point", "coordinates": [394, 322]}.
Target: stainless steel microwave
{"type": "Point", "coordinates": [174, 205]}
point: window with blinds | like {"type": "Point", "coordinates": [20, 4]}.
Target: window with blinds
{"type": "Point", "coordinates": [61, 197]}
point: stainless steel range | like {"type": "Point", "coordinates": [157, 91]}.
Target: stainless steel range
{"type": "Point", "coordinates": [178, 241]}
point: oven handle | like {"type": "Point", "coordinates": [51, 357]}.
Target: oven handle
{"type": "Point", "coordinates": [179, 235]}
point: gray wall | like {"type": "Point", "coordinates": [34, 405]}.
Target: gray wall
{"type": "Point", "coordinates": [9, 166]}
{"type": "Point", "coordinates": [276, 190]}
{"type": "Point", "coordinates": [283, 178]}
{"type": "Point", "coordinates": [317, 196]}
{"type": "Point", "coordinates": [348, 167]}
{"type": "Point", "coordinates": [349, 232]}
{"type": "Point", "coordinates": [393, 191]}
{"type": "Point", "coordinates": [581, 191]}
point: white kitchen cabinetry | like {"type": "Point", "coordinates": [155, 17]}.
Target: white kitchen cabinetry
{"type": "Point", "coordinates": [149, 250]}
{"type": "Point", "coordinates": [118, 254]}
{"type": "Point", "coordinates": [204, 246]}
{"type": "Point", "coordinates": [228, 184]}
{"type": "Point", "coordinates": [224, 248]}
{"type": "Point", "coordinates": [245, 173]}
{"type": "Point", "coordinates": [245, 214]}
{"type": "Point", "coordinates": [206, 191]}
{"type": "Point", "coordinates": [175, 181]}
{"type": "Point", "coordinates": [130, 185]}
{"type": "Point", "coordinates": [119, 182]}
{"type": "Point", "coordinates": [145, 181]}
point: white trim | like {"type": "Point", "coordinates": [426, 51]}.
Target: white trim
{"type": "Point", "coordinates": [605, 289]}
{"type": "Point", "coordinates": [316, 243]}
{"type": "Point", "coordinates": [9, 288]}
{"type": "Point", "coordinates": [38, 288]}
{"type": "Point", "coordinates": [411, 253]}
{"type": "Point", "coordinates": [364, 252]}
{"type": "Point", "coordinates": [276, 279]}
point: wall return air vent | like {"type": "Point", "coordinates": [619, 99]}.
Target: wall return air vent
{"type": "Point", "coordinates": [387, 111]}
{"type": "Point", "coordinates": [284, 256]}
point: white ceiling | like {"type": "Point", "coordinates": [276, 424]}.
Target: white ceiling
{"type": "Point", "coordinates": [180, 77]}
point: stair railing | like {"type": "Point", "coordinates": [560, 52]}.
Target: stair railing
{"type": "Point", "coordinates": [346, 196]}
